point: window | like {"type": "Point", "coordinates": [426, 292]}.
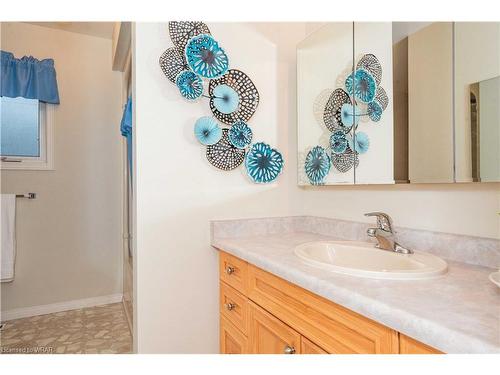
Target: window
{"type": "Point", "coordinates": [25, 134]}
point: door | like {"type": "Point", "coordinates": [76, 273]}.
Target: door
{"type": "Point", "coordinates": [269, 335]}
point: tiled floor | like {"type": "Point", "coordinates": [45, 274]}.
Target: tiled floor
{"type": "Point", "coordinates": [101, 329]}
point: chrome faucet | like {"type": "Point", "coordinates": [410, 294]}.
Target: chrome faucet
{"type": "Point", "coordinates": [384, 234]}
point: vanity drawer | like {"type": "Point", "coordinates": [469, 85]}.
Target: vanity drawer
{"type": "Point", "coordinates": [233, 272]}
{"type": "Point", "coordinates": [234, 306]}
{"type": "Point", "coordinates": [330, 326]}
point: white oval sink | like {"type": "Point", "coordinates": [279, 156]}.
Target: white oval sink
{"type": "Point", "coordinates": [365, 260]}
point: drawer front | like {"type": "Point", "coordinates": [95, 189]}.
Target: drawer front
{"type": "Point", "coordinates": [232, 341]}
{"type": "Point", "coordinates": [407, 345]}
{"type": "Point", "coordinates": [234, 307]}
{"type": "Point", "coordinates": [233, 272]}
{"type": "Point", "coordinates": [308, 347]}
{"type": "Point", "coordinates": [332, 327]}
{"type": "Point", "coordinates": [268, 335]}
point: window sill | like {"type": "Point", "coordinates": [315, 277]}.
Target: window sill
{"type": "Point", "coordinates": [27, 166]}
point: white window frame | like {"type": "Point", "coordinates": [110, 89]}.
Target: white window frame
{"type": "Point", "coordinates": [46, 159]}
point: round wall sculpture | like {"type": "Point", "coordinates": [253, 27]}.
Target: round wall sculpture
{"type": "Point", "coordinates": [361, 97]}
{"type": "Point", "coordinates": [197, 63]}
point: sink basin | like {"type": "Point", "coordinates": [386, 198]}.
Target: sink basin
{"type": "Point", "coordinates": [363, 259]}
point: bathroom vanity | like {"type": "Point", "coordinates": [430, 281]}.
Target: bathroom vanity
{"type": "Point", "coordinates": [262, 313]}
{"type": "Point", "coordinates": [272, 301]}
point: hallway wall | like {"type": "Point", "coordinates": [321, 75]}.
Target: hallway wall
{"type": "Point", "coordinates": [69, 244]}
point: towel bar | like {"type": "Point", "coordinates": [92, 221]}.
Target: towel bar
{"type": "Point", "coordinates": [27, 195]}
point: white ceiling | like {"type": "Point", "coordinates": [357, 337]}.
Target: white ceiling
{"type": "Point", "coordinates": [99, 29]}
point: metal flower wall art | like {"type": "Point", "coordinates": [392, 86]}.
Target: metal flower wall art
{"type": "Point", "coordinates": [199, 67]}
{"type": "Point", "coordinates": [362, 97]}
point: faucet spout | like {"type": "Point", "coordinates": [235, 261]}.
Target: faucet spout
{"type": "Point", "coordinates": [385, 235]}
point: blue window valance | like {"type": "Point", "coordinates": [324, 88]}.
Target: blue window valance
{"type": "Point", "coordinates": [29, 78]}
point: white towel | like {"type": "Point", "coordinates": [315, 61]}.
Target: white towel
{"type": "Point", "coordinates": [8, 239]}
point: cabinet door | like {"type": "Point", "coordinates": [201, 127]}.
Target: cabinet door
{"type": "Point", "coordinates": [407, 345]}
{"type": "Point", "coordinates": [268, 335]}
{"type": "Point", "coordinates": [308, 347]}
{"type": "Point", "coordinates": [232, 341]}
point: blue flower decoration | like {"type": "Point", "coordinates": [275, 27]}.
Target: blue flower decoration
{"type": "Point", "coordinates": [189, 84]}
{"type": "Point", "coordinates": [225, 99]}
{"type": "Point", "coordinates": [375, 111]}
{"type": "Point", "coordinates": [359, 143]}
{"type": "Point", "coordinates": [205, 57]}
{"type": "Point", "coordinates": [240, 134]}
{"type": "Point", "coordinates": [263, 163]}
{"type": "Point", "coordinates": [207, 131]}
{"type": "Point", "coordinates": [361, 85]}
{"type": "Point", "coordinates": [349, 115]}
{"type": "Point", "coordinates": [317, 165]}
{"type": "Point", "coordinates": [338, 142]}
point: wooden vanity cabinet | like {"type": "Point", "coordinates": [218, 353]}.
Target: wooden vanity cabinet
{"type": "Point", "coordinates": [269, 335]}
{"type": "Point", "coordinates": [232, 341]}
{"type": "Point", "coordinates": [407, 345]}
{"type": "Point", "coordinates": [262, 313]}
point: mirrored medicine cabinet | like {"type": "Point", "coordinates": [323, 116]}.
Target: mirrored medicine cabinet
{"type": "Point", "coordinates": [401, 102]}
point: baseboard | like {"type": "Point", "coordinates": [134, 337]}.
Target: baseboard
{"type": "Point", "coordinates": [128, 317]}
{"type": "Point", "coordinates": [26, 312]}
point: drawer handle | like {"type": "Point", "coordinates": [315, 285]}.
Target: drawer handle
{"type": "Point", "coordinates": [289, 350]}
{"type": "Point", "coordinates": [230, 270]}
{"type": "Point", "coordinates": [230, 306]}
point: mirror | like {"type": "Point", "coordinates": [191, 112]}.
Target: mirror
{"type": "Point", "coordinates": [344, 81]}
{"type": "Point", "coordinates": [477, 101]}
{"type": "Point", "coordinates": [433, 115]}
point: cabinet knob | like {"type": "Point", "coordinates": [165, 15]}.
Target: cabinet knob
{"type": "Point", "coordinates": [289, 350]}
{"type": "Point", "coordinates": [230, 306]}
{"type": "Point", "coordinates": [229, 270]}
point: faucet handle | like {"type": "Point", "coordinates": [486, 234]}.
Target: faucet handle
{"type": "Point", "coordinates": [383, 220]}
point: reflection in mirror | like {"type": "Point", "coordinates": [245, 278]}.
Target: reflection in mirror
{"type": "Point", "coordinates": [344, 105]}
{"type": "Point", "coordinates": [423, 101]}
{"type": "Point", "coordinates": [477, 101]}
{"type": "Point", "coordinates": [485, 130]}
{"type": "Point", "coordinates": [414, 102]}
{"type": "Point", "coordinates": [324, 60]}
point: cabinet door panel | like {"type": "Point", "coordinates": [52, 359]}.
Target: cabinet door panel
{"type": "Point", "coordinates": [376, 156]}
{"type": "Point", "coordinates": [232, 341]}
{"type": "Point", "coordinates": [268, 335]}
{"type": "Point", "coordinates": [308, 347]}
{"type": "Point", "coordinates": [407, 345]}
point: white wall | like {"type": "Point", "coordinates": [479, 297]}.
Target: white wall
{"type": "Point", "coordinates": [69, 238]}
{"type": "Point", "coordinates": [178, 192]}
